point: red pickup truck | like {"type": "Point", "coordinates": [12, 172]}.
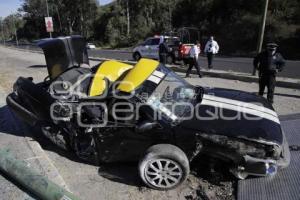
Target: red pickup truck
{"type": "Point", "coordinates": [184, 50]}
{"type": "Point", "coordinates": [187, 36]}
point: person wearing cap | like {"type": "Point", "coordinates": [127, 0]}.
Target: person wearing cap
{"type": "Point", "coordinates": [163, 50]}
{"type": "Point", "coordinates": [211, 48]}
{"type": "Point", "coordinates": [193, 59]}
{"type": "Point", "coordinates": [268, 63]}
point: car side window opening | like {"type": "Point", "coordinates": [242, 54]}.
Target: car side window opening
{"type": "Point", "coordinates": [148, 42]}
{"type": "Point", "coordinates": [172, 91]}
{"type": "Point", "coordinates": [155, 41]}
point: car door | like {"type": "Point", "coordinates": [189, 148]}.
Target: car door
{"type": "Point", "coordinates": [154, 48]}
{"type": "Point", "coordinates": [145, 49]}
{"type": "Point", "coordinates": [173, 44]}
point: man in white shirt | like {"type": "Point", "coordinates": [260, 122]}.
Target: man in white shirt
{"type": "Point", "coordinates": [193, 61]}
{"type": "Point", "coordinates": [211, 48]}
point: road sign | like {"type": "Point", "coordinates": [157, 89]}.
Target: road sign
{"type": "Point", "coordinates": [49, 24]}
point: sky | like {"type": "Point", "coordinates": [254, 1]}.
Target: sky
{"type": "Point", "coordinates": [10, 6]}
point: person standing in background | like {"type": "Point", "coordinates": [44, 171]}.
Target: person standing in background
{"type": "Point", "coordinates": [163, 50]}
{"type": "Point", "coordinates": [193, 59]}
{"type": "Point", "coordinates": [211, 48]}
{"type": "Point", "coordinates": [268, 63]}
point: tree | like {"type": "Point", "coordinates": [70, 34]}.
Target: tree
{"type": "Point", "coordinates": [235, 23]}
{"type": "Point", "coordinates": [10, 26]}
{"type": "Point", "coordinates": [69, 17]}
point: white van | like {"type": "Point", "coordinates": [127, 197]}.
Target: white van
{"type": "Point", "coordinates": [150, 47]}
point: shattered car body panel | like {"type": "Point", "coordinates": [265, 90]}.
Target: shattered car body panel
{"type": "Point", "coordinates": [121, 111]}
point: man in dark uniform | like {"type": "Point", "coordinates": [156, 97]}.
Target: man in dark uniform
{"type": "Point", "coordinates": [268, 63]}
{"type": "Point", "coordinates": [163, 51]}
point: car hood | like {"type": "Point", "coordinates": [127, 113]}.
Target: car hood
{"type": "Point", "coordinates": [236, 114]}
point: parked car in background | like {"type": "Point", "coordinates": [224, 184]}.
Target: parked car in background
{"type": "Point", "coordinates": [150, 47]}
{"type": "Point", "coordinates": [90, 46]}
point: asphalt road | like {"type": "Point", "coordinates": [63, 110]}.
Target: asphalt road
{"type": "Point", "coordinates": [236, 64]}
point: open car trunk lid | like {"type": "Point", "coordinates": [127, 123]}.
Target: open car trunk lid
{"type": "Point", "coordinates": [63, 53]}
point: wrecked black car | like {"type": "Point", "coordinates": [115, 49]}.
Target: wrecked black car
{"type": "Point", "coordinates": [116, 112]}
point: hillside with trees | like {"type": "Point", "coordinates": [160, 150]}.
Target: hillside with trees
{"type": "Point", "coordinates": [123, 23]}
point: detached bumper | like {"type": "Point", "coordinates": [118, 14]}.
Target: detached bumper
{"type": "Point", "coordinates": [263, 167]}
{"type": "Point", "coordinates": [259, 167]}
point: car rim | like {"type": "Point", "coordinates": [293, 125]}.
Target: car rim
{"type": "Point", "coordinates": [163, 173]}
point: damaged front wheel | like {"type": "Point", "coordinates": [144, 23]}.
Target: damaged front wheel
{"type": "Point", "coordinates": [164, 167]}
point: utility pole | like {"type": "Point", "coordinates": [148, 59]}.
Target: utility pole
{"type": "Point", "coordinates": [13, 20]}
{"type": "Point", "coordinates": [50, 34]}
{"type": "Point", "coordinates": [2, 30]}
{"type": "Point", "coordinates": [128, 18]}
{"type": "Point", "coordinates": [261, 32]}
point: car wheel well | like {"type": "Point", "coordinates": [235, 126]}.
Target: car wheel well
{"type": "Point", "coordinates": [136, 55]}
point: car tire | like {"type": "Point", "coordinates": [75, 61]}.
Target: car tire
{"type": "Point", "coordinates": [164, 167]}
{"type": "Point", "coordinates": [136, 56]}
{"type": "Point", "coordinates": [170, 59]}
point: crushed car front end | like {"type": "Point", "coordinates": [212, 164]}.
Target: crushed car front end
{"type": "Point", "coordinates": [277, 157]}
{"type": "Point", "coordinates": [241, 128]}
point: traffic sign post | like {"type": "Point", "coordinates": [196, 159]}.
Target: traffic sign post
{"type": "Point", "coordinates": [49, 25]}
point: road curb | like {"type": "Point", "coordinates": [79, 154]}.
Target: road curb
{"type": "Point", "coordinates": [281, 82]}
{"type": "Point", "coordinates": [51, 172]}
{"type": "Point", "coordinates": [46, 163]}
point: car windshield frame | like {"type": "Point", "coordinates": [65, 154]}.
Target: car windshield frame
{"type": "Point", "coordinates": [169, 91]}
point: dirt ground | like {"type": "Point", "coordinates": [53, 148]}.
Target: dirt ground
{"type": "Point", "coordinates": [120, 181]}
